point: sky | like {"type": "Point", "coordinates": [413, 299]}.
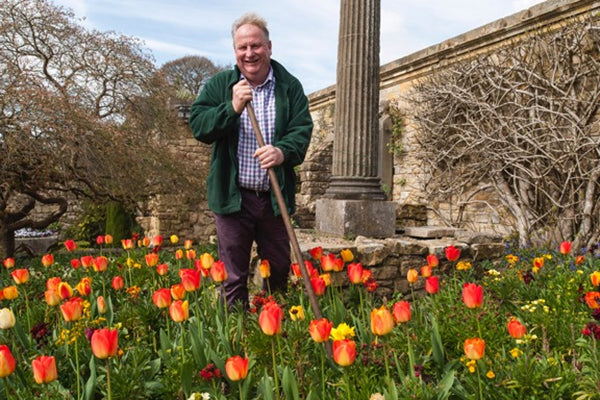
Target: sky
{"type": "Point", "coordinates": [303, 32]}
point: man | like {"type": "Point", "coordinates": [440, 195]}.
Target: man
{"type": "Point", "coordinates": [239, 195]}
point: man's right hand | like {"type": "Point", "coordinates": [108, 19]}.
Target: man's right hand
{"type": "Point", "coordinates": [242, 93]}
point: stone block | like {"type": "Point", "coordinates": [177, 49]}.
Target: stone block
{"type": "Point", "coordinates": [429, 232]}
{"type": "Point", "coordinates": [351, 218]}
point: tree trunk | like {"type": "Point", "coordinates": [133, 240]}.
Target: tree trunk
{"type": "Point", "coordinates": [7, 243]}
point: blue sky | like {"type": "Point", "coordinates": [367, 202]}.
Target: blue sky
{"type": "Point", "coordinates": [303, 32]}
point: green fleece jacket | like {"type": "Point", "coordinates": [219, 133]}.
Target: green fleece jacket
{"type": "Point", "coordinates": [213, 121]}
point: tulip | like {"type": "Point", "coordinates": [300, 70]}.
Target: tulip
{"type": "Point", "coordinates": [76, 263]}
{"type": "Point", "coordinates": [101, 305]}
{"type": "Point", "coordinates": [316, 252]}
{"type": "Point", "coordinates": [64, 290]}
{"type": "Point", "coordinates": [472, 295]}
{"type": "Point", "coordinates": [179, 310]}
{"type": "Point", "coordinates": [151, 259]}
{"type": "Point", "coordinates": [297, 313]}
{"type": "Point", "coordinates": [9, 263]}
{"type": "Point", "coordinates": [145, 242]}
{"type": "Point", "coordinates": [452, 253]}
{"type": "Point", "coordinates": [565, 248]}
{"type": "Point", "coordinates": [347, 255]}
{"type": "Point", "coordinates": [174, 239]}
{"type": "Point", "coordinates": [87, 261]}
{"type": "Point", "coordinates": [412, 275]}
{"type": "Point", "coordinates": [538, 262]}
{"type": "Point", "coordinates": [10, 292]}
{"type": "Point", "coordinates": [344, 352]}
{"type": "Point", "coordinates": [190, 254]}
{"type": "Point", "coordinates": [108, 239]}
{"type": "Point", "coordinates": [432, 285]}
{"type": "Point", "coordinates": [44, 369]}
{"type": "Point", "coordinates": [218, 273]}
{"type": "Point", "coordinates": [100, 264]}
{"type": "Point", "coordinates": [52, 283]}
{"type": "Point", "coordinates": [326, 278]}
{"type": "Point", "coordinates": [592, 299]}
{"type": "Point", "coordinates": [70, 245]}
{"type": "Point", "coordinates": [187, 244]}
{"type": "Point", "coordinates": [264, 269]}
{"type": "Point", "coordinates": [320, 329]}
{"type": "Point", "coordinates": [117, 283]}
{"type": "Point", "coordinates": [426, 271]}
{"type": "Point", "coordinates": [474, 348]}
{"type": "Point", "coordinates": [157, 241]}
{"type": "Point", "coordinates": [7, 361]}
{"type": "Point", "coordinates": [178, 254]}
{"type": "Point", "coordinates": [127, 244]}
{"type": "Point", "coordinates": [516, 329]}
{"type": "Point", "coordinates": [47, 260]}
{"type": "Point", "coordinates": [355, 272]}
{"type": "Point", "coordinates": [206, 260]}
{"type": "Point", "coordinates": [236, 368]}
{"type": "Point", "coordinates": [7, 318]}
{"type": "Point", "coordinates": [100, 240]}
{"type": "Point", "coordinates": [382, 321]}
{"type": "Point", "coordinates": [401, 311]}
{"type": "Point", "coordinates": [72, 309]}
{"type": "Point", "coordinates": [162, 269]}
{"type": "Point", "coordinates": [331, 263]}
{"type": "Point", "coordinates": [20, 275]}
{"type": "Point", "coordinates": [270, 318]}
{"type": "Point", "coordinates": [432, 260]}
{"type": "Point", "coordinates": [318, 284]}
{"type": "Point", "coordinates": [105, 343]}
{"type": "Point", "coordinates": [161, 298]}
{"type": "Point", "coordinates": [178, 291]}
{"type": "Point", "coordinates": [579, 260]}
{"type": "Point", "coordinates": [52, 297]}
{"type": "Point", "coordinates": [84, 287]}
{"type": "Point", "coordinates": [595, 278]}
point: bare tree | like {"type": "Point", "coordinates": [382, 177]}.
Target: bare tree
{"type": "Point", "coordinates": [81, 113]}
{"type": "Point", "coordinates": [520, 123]}
{"type": "Point", "coordinates": [189, 74]}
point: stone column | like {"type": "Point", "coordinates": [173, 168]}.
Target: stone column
{"type": "Point", "coordinates": [354, 204]}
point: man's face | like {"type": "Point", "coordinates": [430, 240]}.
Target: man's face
{"type": "Point", "coordinates": [252, 53]}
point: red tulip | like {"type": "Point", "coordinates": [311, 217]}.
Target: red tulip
{"type": "Point", "coordinates": [9, 263]}
{"type": "Point", "coordinates": [76, 263]}
{"type": "Point", "coordinates": [401, 311]}
{"type": "Point", "coordinates": [452, 253]}
{"type": "Point", "coordinates": [316, 252]}
{"type": "Point", "coordinates": [592, 299]}
{"type": "Point", "coordinates": [330, 262]}
{"type": "Point", "coordinates": [64, 290]}
{"type": "Point", "coordinates": [344, 352]}
{"type": "Point", "coordinates": [355, 271]}
{"type": "Point", "coordinates": [270, 318]}
{"type": "Point", "coordinates": [190, 254]}
{"type": "Point", "coordinates": [190, 279]}
{"type": "Point", "coordinates": [100, 264]}
{"type": "Point", "coordinates": [432, 260]}
{"type": "Point", "coordinates": [516, 329]}
{"type": "Point", "coordinates": [70, 245]}
{"type": "Point", "coordinates": [72, 309]}
{"type": "Point", "coordinates": [218, 272]}
{"type": "Point", "coordinates": [236, 368]}
{"type": "Point", "coordinates": [7, 361]}
{"type": "Point", "coordinates": [127, 244]}
{"type": "Point", "coordinates": [44, 369]}
{"type": "Point", "coordinates": [472, 295]}
{"type": "Point", "coordinates": [318, 284]}
{"type": "Point", "coordinates": [320, 329]}
{"type": "Point", "coordinates": [157, 241]}
{"type": "Point", "coordinates": [117, 283]}
{"type": "Point", "coordinates": [179, 310]}
{"type": "Point", "coordinates": [52, 283]}
{"type": "Point", "coordinates": [84, 287]}
{"type": "Point", "coordinates": [20, 275]}
{"type": "Point", "coordinates": [162, 269]}
{"type": "Point", "coordinates": [432, 285]}
{"type": "Point", "coordinates": [426, 271]}
{"type": "Point", "coordinates": [474, 348]}
{"type": "Point", "coordinates": [162, 298]}
{"type": "Point", "coordinates": [382, 321]}
{"type": "Point", "coordinates": [151, 259]}
{"type": "Point", "coordinates": [47, 260]}
{"type": "Point", "coordinates": [87, 261]}
{"type": "Point", "coordinates": [565, 248]}
{"type": "Point", "coordinates": [100, 240]}
{"type": "Point", "coordinates": [105, 343]}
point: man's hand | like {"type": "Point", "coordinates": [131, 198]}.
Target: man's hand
{"type": "Point", "coordinates": [269, 156]}
{"type": "Point", "coordinates": [242, 93]}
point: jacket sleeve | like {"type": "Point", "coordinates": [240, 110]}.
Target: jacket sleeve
{"type": "Point", "coordinates": [212, 114]}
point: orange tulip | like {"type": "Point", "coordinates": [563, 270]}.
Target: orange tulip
{"type": "Point", "coordinates": [472, 295]}
{"type": "Point", "coordinates": [9, 263]}
{"type": "Point", "coordinates": [355, 272]}
{"type": "Point", "coordinates": [100, 264]}
{"type": "Point", "coordinates": [162, 298]}
{"type": "Point", "coordinates": [52, 283]}
{"type": "Point", "coordinates": [108, 239]}
{"type": "Point", "coordinates": [206, 260]}
{"type": "Point", "coordinates": [44, 369]}
{"type": "Point", "coordinates": [105, 343]}
{"type": "Point", "coordinates": [538, 262]}
{"type": "Point", "coordinates": [264, 269]}
{"type": "Point", "coordinates": [7, 361]}
{"type": "Point", "coordinates": [190, 254]}
{"type": "Point", "coordinates": [218, 273]}
{"type": "Point", "coordinates": [157, 241]}
{"type": "Point", "coordinates": [401, 311]}
{"type": "Point", "coordinates": [178, 291]}
{"type": "Point", "coordinates": [162, 269]}
{"type": "Point", "coordinates": [52, 297]}
{"type": "Point", "coordinates": [592, 299]}
{"type": "Point", "coordinates": [178, 254]}
{"type": "Point", "coordinates": [595, 278]}
{"type": "Point", "coordinates": [145, 241]}
{"type": "Point", "coordinates": [101, 305]}
{"type": "Point", "coordinates": [72, 309]}
{"type": "Point", "coordinates": [474, 348]}
{"type": "Point", "coordinates": [516, 329]}
{"type": "Point", "coordinates": [64, 290]}
{"type": "Point", "coordinates": [316, 252]}
{"type": "Point", "coordinates": [564, 248]}
{"type": "Point", "coordinates": [579, 260]}
{"type": "Point", "coordinates": [10, 292]}
{"type": "Point", "coordinates": [20, 275]}
{"type": "Point", "coordinates": [432, 260]}
{"type": "Point", "coordinates": [344, 352]}
{"type": "Point", "coordinates": [187, 244]}
{"type": "Point", "coordinates": [117, 283]}
{"type": "Point", "coordinates": [452, 253]}
{"type": "Point", "coordinates": [412, 275]}
{"type": "Point", "coordinates": [236, 368]}
{"type": "Point", "coordinates": [432, 285]}
{"type": "Point", "coordinates": [270, 318]}
{"type": "Point", "coordinates": [70, 245]}
{"type": "Point", "coordinates": [190, 279]}
{"type": "Point", "coordinates": [151, 259]}
{"type": "Point", "coordinates": [87, 261]}
{"type": "Point", "coordinates": [347, 255]}
{"type": "Point", "coordinates": [179, 310]}
{"type": "Point", "coordinates": [330, 262]}
{"type": "Point", "coordinates": [320, 329]}
{"type": "Point", "coordinates": [47, 260]}
{"type": "Point", "coordinates": [318, 284]}
{"type": "Point", "coordinates": [426, 271]}
{"type": "Point", "coordinates": [127, 244]}
{"type": "Point", "coordinates": [382, 321]}
{"type": "Point", "coordinates": [84, 287]}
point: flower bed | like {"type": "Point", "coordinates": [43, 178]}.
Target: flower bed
{"type": "Point", "coordinates": [149, 324]}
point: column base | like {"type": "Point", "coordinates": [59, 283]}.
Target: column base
{"type": "Point", "coordinates": [351, 218]}
{"type": "Point", "coordinates": [355, 188]}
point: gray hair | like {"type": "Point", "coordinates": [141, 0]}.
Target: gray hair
{"type": "Point", "coordinates": [252, 19]}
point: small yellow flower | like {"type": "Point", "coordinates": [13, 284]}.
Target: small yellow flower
{"type": "Point", "coordinates": [516, 352]}
{"type": "Point", "coordinates": [297, 313]}
{"type": "Point", "coordinates": [493, 272]}
{"type": "Point", "coordinates": [512, 259]}
{"type": "Point", "coordinates": [347, 255]}
{"type": "Point", "coordinates": [343, 331]}
{"type": "Point", "coordinates": [490, 374]}
{"type": "Point", "coordinates": [174, 239]}
{"type": "Point", "coordinates": [463, 265]}
{"type": "Point", "coordinates": [130, 262]}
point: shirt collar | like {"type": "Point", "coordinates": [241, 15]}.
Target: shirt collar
{"type": "Point", "coordinates": [269, 78]}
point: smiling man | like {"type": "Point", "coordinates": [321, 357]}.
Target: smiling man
{"type": "Point", "coordinates": [238, 186]}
